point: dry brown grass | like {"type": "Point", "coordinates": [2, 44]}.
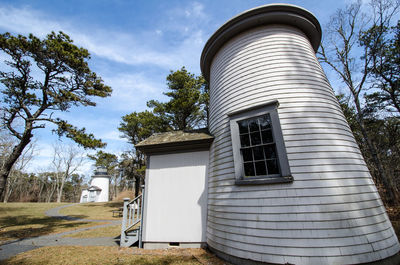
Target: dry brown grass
{"type": "Point", "coordinates": [108, 231]}
{"type": "Point", "coordinates": [22, 220]}
{"type": "Point", "coordinates": [114, 255]}
{"type": "Point", "coordinates": [93, 210]}
{"type": "Point", "coordinates": [124, 194]}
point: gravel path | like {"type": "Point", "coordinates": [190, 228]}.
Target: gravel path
{"type": "Point", "coordinates": [15, 247]}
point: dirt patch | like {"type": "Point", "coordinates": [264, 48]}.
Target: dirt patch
{"type": "Point", "coordinates": [124, 194]}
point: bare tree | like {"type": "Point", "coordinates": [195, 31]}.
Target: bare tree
{"type": "Point", "coordinates": [67, 160]}
{"type": "Point", "coordinates": [342, 51]}
{"type": "Point", "coordinates": [18, 169]}
{"type": "Point", "coordinates": [383, 43]}
{"type": "Point", "coordinates": [42, 185]}
{"type": "Point", "coordinates": [47, 185]}
{"type": "Point", "coordinates": [6, 145]}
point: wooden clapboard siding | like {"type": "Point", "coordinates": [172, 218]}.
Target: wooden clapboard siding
{"type": "Point", "coordinates": [331, 213]}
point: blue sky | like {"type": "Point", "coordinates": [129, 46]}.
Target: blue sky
{"type": "Point", "coordinates": [134, 45]}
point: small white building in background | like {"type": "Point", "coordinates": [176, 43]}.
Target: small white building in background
{"type": "Point", "coordinates": [98, 190]}
{"type": "Point", "coordinates": [84, 196]}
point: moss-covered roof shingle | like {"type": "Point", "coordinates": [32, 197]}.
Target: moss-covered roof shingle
{"type": "Point", "coordinates": [176, 141]}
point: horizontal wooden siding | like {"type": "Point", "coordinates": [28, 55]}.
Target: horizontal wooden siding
{"type": "Point", "coordinates": [332, 212]}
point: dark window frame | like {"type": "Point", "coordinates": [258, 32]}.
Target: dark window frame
{"type": "Point", "coordinates": [269, 108]}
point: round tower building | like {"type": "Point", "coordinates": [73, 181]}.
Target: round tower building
{"type": "Point", "coordinates": [287, 182]}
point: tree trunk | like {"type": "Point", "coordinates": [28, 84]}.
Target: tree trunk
{"type": "Point", "coordinates": [50, 194]}
{"type": "Point", "coordinates": [139, 181]}
{"type": "Point", "coordinates": [53, 187]}
{"type": "Point", "coordinates": [41, 186]}
{"type": "Point", "coordinates": [115, 186]}
{"type": "Point", "coordinates": [8, 190]}
{"type": "Point", "coordinates": [61, 187]}
{"type": "Point", "coordinates": [15, 154]}
{"type": "Point", "coordinates": [387, 183]}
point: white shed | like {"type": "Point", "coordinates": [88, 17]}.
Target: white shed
{"type": "Point", "coordinates": [175, 204]}
{"type": "Point", "coordinates": [84, 196]}
{"type": "Point", "coordinates": [287, 182]}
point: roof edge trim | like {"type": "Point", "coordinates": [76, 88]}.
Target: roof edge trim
{"type": "Point", "coordinates": [285, 14]}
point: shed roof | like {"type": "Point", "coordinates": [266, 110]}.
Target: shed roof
{"type": "Point", "coordinates": [94, 188]}
{"type": "Point", "coordinates": [176, 141]}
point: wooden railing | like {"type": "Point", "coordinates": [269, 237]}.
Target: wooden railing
{"type": "Point", "coordinates": [132, 219]}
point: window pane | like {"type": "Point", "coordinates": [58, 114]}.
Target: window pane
{"type": "Point", "coordinates": [255, 138]}
{"type": "Point", "coordinates": [267, 136]}
{"type": "Point", "coordinates": [244, 140]}
{"type": "Point", "coordinates": [265, 122]}
{"type": "Point", "coordinates": [253, 125]}
{"type": "Point", "coordinates": [249, 169]}
{"type": "Point", "coordinates": [260, 141]}
{"type": "Point", "coordinates": [260, 168]}
{"type": "Point", "coordinates": [247, 154]}
{"type": "Point", "coordinates": [269, 151]}
{"type": "Point", "coordinates": [243, 127]}
{"type": "Point", "coordinates": [258, 153]}
{"type": "Point", "coordinates": [272, 166]}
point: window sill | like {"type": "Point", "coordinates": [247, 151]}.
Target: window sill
{"type": "Point", "coordinates": [274, 180]}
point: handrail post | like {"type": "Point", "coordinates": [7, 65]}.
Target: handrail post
{"type": "Point", "coordinates": [141, 218]}
{"type": "Point", "coordinates": [124, 222]}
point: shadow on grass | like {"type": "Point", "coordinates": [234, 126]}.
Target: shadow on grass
{"type": "Point", "coordinates": [166, 260]}
{"type": "Point", "coordinates": [144, 260]}
{"type": "Point", "coordinates": [24, 226]}
{"type": "Point", "coordinates": [107, 204]}
{"type": "Point", "coordinates": [8, 208]}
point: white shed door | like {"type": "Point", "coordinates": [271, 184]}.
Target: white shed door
{"type": "Point", "coordinates": [176, 198]}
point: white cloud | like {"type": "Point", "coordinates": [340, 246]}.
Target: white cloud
{"type": "Point", "coordinates": [132, 91]}
{"type": "Point", "coordinates": [198, 10]}
{"type": "Point", "coordinates": [194, 10]}
{"type": "Point", "coordinates": [26, 20]}
{"type": "Point", "coordinates": [115, 46]}
{"type": "Point", "coordinates": [112, 135]}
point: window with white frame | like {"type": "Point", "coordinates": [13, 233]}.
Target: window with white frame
{"type": "Point", "coordinates": [258, 148]}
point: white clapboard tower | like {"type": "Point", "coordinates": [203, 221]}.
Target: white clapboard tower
{"type": "Point", "coordinates": [98, 190]}
{"type": "Point", "coordinates": [287, 182]}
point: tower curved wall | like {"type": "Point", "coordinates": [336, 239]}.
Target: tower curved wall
{"type": "Point", "coordinates": [331, 213]}
{"type": "Point", "coordinates": [103, 182]}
